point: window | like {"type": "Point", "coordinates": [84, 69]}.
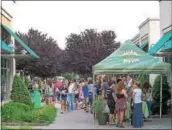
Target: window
{"type": "Point", "coordinates": [4, 77]}
{"type": "Point", "coordinates": [5, 36]}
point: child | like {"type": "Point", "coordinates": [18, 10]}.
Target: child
{"type": "Point", "coordinates": [63, 99]}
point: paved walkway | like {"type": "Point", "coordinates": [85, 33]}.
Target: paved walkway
{"type": "Point", "coordinates": [81, 120]}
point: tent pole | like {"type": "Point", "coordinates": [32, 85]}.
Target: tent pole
{"type": "Point", "coordinates": [93, 78]}
{"type": "Point", "coordinates": [161, 97]}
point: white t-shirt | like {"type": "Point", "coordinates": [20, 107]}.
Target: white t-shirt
{"type": "Point", "coordinates": [71, 87]}
{"type": "Point", "coordinates": [138, 95]}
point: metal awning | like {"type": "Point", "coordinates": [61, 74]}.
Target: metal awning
{"type": "Point", "coordinates": [165, 38]}
{"type": "Point", "coordinates": [31, 52]}
{"type": "Point", "coordinates": [167, 47]}
{"type": "Point", "coordinates": [143, 45]}
{"type": "Point", "coordinates": [5, 47]}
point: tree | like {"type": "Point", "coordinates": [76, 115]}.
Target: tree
{"type": "Point", "coordinates": [156, 95]}
{"type": "Point", "coordinates": [142, 78]}
{"type": "Point", "coordinates": [87, 48]}
{"type": "Point", "coordinates": [47, 49]}
{"type": "Point", "coordinates": [20, 92]}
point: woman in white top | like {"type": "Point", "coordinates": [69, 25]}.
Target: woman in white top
{"type": "Point", "coordinates": [137, 111]}
{"type": "Point", "coordinates": [71, 95]}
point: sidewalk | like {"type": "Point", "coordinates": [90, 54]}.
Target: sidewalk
{"type": "Point", "coordinates": [81, 120]}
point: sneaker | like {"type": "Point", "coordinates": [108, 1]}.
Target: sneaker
{"type": "Point", "coordinates": [117, 125]}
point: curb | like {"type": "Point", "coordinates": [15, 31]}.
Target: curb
{"type": "Point", "coordinates": [163, 116]}
{"type": "Point", "coordinates": [24, 124]}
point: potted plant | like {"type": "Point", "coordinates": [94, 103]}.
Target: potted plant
{"type": "Point", "coordinates": [100, 112]}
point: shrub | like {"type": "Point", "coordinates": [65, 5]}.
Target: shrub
{"type": "Point", "coordinates": [20, 92]}
{"type": "Point", "coordinates": [19, 112]}
{"type": "Point", "coordinates": [45, 114]}
{"type": "Point", "coordinates": [12, 111]}
{"type": "Point", "coordinates": [156, 95]}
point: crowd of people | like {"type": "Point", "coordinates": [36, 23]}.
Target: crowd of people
{"type": "Point", "coordinates": [117, 92]}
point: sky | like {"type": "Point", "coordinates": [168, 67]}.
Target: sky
{"type": "Point", "coordinates": [60, 18]}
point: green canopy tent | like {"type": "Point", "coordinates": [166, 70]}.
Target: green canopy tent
{"type": "Point", "coordinates": [131, 59]}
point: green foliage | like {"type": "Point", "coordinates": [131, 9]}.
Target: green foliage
{"type": "Point", "coordinates": [12, 111]}
{"type": "Point", "coordinates": [156, 95]}
{"type": "Point", "coordinates": [45, 114]}
{"type": "Point", "coordinates": [26, 81]}
{"type": "Point", "coordinates": [20, 92]}
{"type": "Point", "coordinates": [98, 106]}
{"type": "Point", "coordinates": [69, 76]}
{"type": "Point", "coordinates": [19, 112]}
{"type": "Point", "coordinates": [16, 127]}
{"type": "Point", "coordinates": [142, 78]}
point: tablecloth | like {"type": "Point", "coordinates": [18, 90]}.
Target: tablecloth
{"type": "Point", "coordinates": [144, 110]}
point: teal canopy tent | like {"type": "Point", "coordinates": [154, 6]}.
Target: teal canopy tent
{"type": "Point", "coordinates": [131, 59]}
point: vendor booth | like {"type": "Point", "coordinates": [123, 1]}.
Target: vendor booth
{"type": "Point", "coordinates": [130, 59]}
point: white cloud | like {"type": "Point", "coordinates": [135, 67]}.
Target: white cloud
{"type": "Point", "coordinates": [60, 18]}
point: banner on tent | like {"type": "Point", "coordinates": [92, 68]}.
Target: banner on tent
{"type": "Point", "coordinates": [130, 57]}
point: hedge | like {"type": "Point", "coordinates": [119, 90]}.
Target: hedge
{"type": "Point", "coordinates": [20, 112]}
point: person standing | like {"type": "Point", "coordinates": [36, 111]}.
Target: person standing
{"type": "Point", "coordinates": [111, 101]}
{"type": "Point", "coordinates": [77, 96]}
{"type": "Point", "coordinates": [64, 92]}
{"type": "Point", "coordinates": [91, 92]}
{"type": "Point", "coordinates": [104, 87]}
{"type": "Point", "coordinates": [120, 104]}
{"type": "Point", "coordinates": [71, 95]}
{"type": "Point", "coordinates": [50, 92]}
{"type": "Point", "coordinates": [85, 93]}
{"type": "Point", "coordinates": [137, 110]}
{"type": "Point", "coordinates": [98, 86]}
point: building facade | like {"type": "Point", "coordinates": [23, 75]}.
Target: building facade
{"type": "Point", "coordinates": [8, 67]}
{"type": "Point", "coordinates": [149, 33]}
{"type": "Point", "coordinates": [8, 54]}
{"type": "Point", "coordinates": [165, 16]}
{"type": "Point", "coordinates": [166, 26]}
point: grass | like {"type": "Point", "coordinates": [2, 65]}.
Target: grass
{"type": "Point", "coordinates": [16, 127]}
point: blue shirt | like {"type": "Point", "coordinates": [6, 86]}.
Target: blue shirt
{"type": "Point", "coordinates": [85, 91]}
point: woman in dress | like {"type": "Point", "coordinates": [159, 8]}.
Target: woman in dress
{"type": "Point", "coordinates": [120, 104]}
{"type": "Point", "coordinates": [137, 110]}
